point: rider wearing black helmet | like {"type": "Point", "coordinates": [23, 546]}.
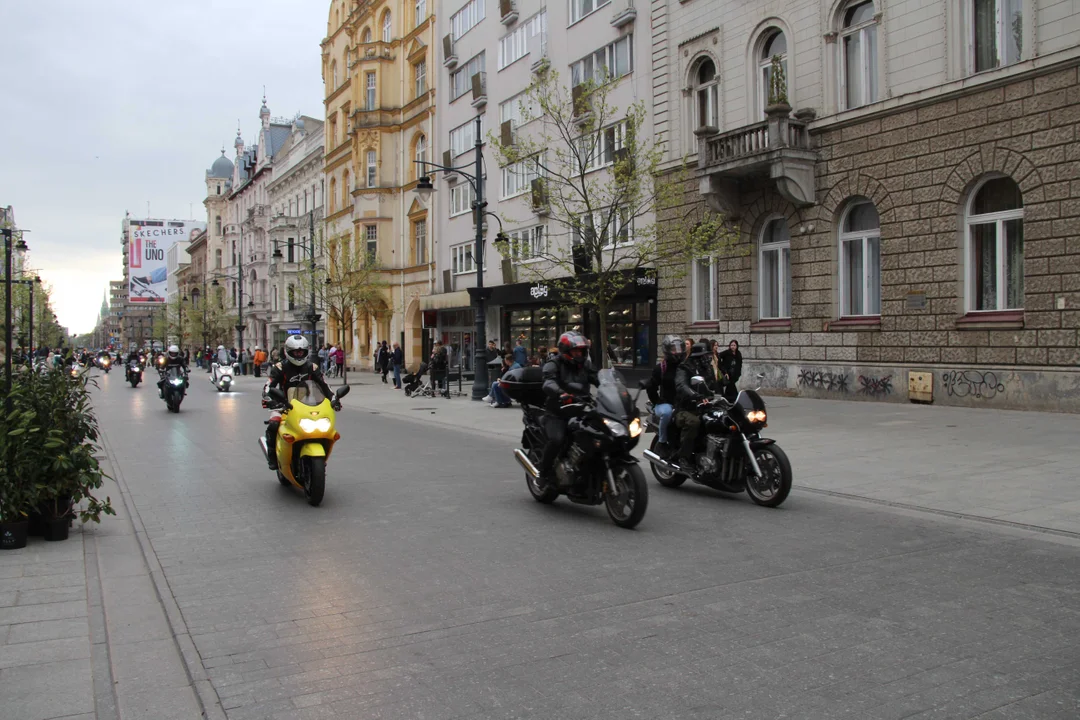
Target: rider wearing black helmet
{"type": "Point", "coordinates": [690, 398]}
{"type": "Point", "coordinates": [566, 375]}
{"type": "Point", "coordinates": [173, 359]}
{"type": "Point", "coordinates": [661, 387]}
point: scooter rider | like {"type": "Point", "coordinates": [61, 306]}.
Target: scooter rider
{"type": "Point", "coordinates": [691, 398]}
{"type": "Point", "coordinates": [173, 359]}
{"type": "Point", "coordinates": [294, 371]}
{"type": "Point", "coordinates": [661, 388]}
{"type": "Point", "coordinates": [566, 375]}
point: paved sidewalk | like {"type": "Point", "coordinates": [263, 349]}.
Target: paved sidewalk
{"type": "Point", "coordinates": [998, 466]}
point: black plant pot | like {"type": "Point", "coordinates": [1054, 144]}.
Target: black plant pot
{"type": "Point", "coordinates": [13, 534]}
{"type": "Point", "coordinates": [35, 524]}
{"type": "Point", "coordinates": [56, 529]}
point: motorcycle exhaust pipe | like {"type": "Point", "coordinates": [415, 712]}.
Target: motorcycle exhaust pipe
{"type": "Point", "coordinates": [262, 446]}
{"type": "Point", "coordinates": [526, 463]}
{"type": "Point", "coordinates": [657, 460]}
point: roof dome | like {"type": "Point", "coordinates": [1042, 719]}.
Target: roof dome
{"type": "Point", "coordinates": [239, 143]}
{"type": "Point", "coordinates": [222, 167]}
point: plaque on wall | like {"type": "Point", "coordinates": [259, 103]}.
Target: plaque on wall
{"type": "Point", "coordinates": [916, 300]}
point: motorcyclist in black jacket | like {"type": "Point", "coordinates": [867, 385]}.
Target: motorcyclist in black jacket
{"type": "Point", "coordinates": [690, 398]}
{"type": "Point", "coordinates": [294, 371]}
{"type": "Point", "coordinates": [566, 375]}
{"type": "Point", "coordinates": [173, 359]}
{"type": "Point", "coordinates": [661, 387]}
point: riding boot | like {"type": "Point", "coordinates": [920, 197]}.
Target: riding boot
{"type": "Point", "coordinates": [271, 447]}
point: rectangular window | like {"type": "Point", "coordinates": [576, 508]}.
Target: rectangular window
{"type": "Point", "coordinates": [290, 255]}
{"type": "Point", "coordinates": [861, 276]}
{"type": "Point", "coordinates": [598, 150]}
{"type": "Point", "coordinates": [997, 37]}
{"type": "Point", "coordinates": [703, 282]}
{"type": "Point", "coordinates": [619, 229]}
{"type": "Point", "coordinates": [775, 287]}
{"type": "Point", "coordinates": [370, 86]}
{"type": "Point", "coordinates": [515, 45]}
{"type": "Point", "coordinates": [997, 265]}
{"type": "Point", "coordinates": [466, 18]}
{"type": "Point", "coordinates": [608, 63]}
{"type": "Point", "coordinates": [371, 169]}
{"type": "Point", "coordinates": [371, 237]}
{"type": "Point", "coordinates": [461, 79]}
{"type": "Point", "coordinates": [519, 109]}
{"type": "Point", "coordinates": [528, 243]}
{"type": "Point", "coordinates": [581, 8]}
{"type": "Point", "coordinates": [421, 11]}
{"type": "Point", "coordinates": [517, 178]}
{"type": "Point", "coordinates": [461, 259]}
{"type": "Point", "coordinates": [463, 137]}
{"type": "Point", "coordinates": [420, 76]}
{"type": "Point", "coordinates": [420, 242]}
{"type": "Point", "coordinates": [462, 197]}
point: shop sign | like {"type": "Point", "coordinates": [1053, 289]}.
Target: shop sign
{"type": "Point", "coordinates": [646, 280]}
{"type": "Point", "coordinates": [538, 291]}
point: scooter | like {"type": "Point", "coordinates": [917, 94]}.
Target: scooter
{"type": "Point", "coordinates": [221, 377]}
{"type": "Point", "coordinates": [305, 438]}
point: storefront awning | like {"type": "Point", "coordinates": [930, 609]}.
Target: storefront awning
{"type": "Point", "coordinates": [445, 301]}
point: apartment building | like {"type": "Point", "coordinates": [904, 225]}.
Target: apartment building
{"type": "Point", "coordinates": [903, 176]}
{"type": "Point", "coordinates": [380, 101]}
{"type": "Point", "coordinates": [491, 52]}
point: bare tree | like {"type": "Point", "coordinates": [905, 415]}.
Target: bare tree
{"type": "Point", "coordinates": [596, 176]}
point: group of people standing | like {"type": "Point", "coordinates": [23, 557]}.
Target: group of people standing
{"type": "Point", "coordinates": [332, 360]}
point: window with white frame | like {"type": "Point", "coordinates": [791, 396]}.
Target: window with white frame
{"type": "Point", "coordinates": [997, 33]}
{"type": "Point", "coordinates": [387, 27]}
{"type": "Point", "coordinates": [608, 63]}
{"type": "Point", "coordinates": [461, 79]}
{"type": "Point", "coordinates": [369, 86]}
{"type": "Point", "coordinates": [774, 271]}
{"type": "Point", "coordinates": [371, 240]}
{"type": "Point", "coordinates": [517, 177]}
{"type": "Point", "coordinates": [463, 137]}
{"type": "Point", "coordinates": [774, 45]}
{"type": "Point", "coordinates": [598, 150]}
{"type": "Point", "coordinates": [461, 259]}
{"type": "Point", "coordinates": [420, 11]}
{"type": "Point", "coordinates": [420, 242]}
{"type": "Point", "coordinates": [420, 77]}
{"type": "Point", "coordinates": [703, 290]}
{"type": "Point", "coordinates": [372, 178]}
{"type": "Point", "coordinates": [518, 110]}
{"type": "Point", "coordinates": [420, 156]}
{"type": "Point", "coordinates": [527, 244]}
{"type": "Point", "coordinates": [462, 197]}
{"type": "Point", "coordinates": [515, 45]}
{"type": "Point", "coordinates": [858, 56]}
{"type": "Point", "coordinates": [611, 228]}
{"type": "Point", "coordinates": [367, 36]}
{"type": "Point", "coordinates": [707, 94]}
{"type": "Point", "coordinates": [581, 8]}
{"type": "Point", "coordinates": [995, 246]}
{"type": "Point", "coordinates": [467, 18]}
{"type": "Point", "coordinates": [860, 260]}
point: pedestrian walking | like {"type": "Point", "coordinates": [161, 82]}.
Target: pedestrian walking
{"type": "Point", "coordinates": [383, 359]}
{"type": "Point", "coordinates": [322, 357]}
{"type": "Point", "coordinates": [730, 365]}
{"type": "Point", "coordinates": [397, 358]}
{"type": "Point", "coordinates": [260, 360]}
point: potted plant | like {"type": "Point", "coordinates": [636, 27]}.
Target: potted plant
{"type": "Point", "coordinates": [19, 492]}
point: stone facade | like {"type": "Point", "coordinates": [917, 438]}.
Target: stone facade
{"type": "Point", "coordinates": [919, 159]}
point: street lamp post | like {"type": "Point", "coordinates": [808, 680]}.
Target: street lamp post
{"type": "Point", "coordinates": [20, 246]}
{"type": "Point", "coordinates": [479, 293]}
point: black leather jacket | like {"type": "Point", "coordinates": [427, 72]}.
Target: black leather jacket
{"type": "Point", "coordinates": [285, 375]}
{"type": "Point", "coordinates": [562, 377]}
{"type": "Point", "coordinates": [686, 395]}
{"type": "Point", "coordinates": [178, 362]}
{"type": "Point", "coordinates": [662, 383]}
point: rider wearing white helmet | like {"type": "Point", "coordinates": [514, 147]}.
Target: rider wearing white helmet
{"type": "Point", "coordinates": [295, 370]}
{"type": "Point", "coordinates": [173, 359]}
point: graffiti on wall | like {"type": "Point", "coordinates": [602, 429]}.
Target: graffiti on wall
{"type": "Point", "coordinates": [971, 383]}
{"type": "Point", "coordinates": [875, 386]}
{"type": "Point", "coordinates": [823, 380]}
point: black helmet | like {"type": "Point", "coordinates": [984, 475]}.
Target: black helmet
{"type": "Point", "coordinates": [699, 350]}
{"type": "Point", "coordinates": [573, 347]}
{"type": "Point", "coordinates": [674, 349]}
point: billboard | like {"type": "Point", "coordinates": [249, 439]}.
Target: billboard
{"type": "Point", "coordinates": [148, 244]}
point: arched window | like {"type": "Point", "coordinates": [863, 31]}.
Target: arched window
{"type": "Point", "coordinates": [858, 55]}
{"type": "Point", "coordinates": [387, 29]}
{"type": "Point", "coordinates": [706, 94]}
{"type": "Point", "coordinates": [774, 44]}
{"type": "Point", "coordinates": [420, 155]}
{"type": "Point", "coordinates": [860, 260]}
{"type": "Point", "coordinates": [347, 64]}
{"type": "Point", "coordinates": [367, 36]}
{"type": "Point", "coordinates": [774, 271]}
{"type": "Point", "coordinates": [333, 73]}
{"type": "Point", "coordinates": [995, 246]}
{"type": "Point", "coordinates": [345, 190]}
{"type": "Point", "coordinates": [333, 195]}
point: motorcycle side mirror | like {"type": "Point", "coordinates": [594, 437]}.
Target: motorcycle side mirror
{"type": "Point", "coordinates": [342, 391]}
{"type": "Point", "coordinates": [277, 394]}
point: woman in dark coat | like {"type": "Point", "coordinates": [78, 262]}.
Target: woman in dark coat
{"type": "Point", "coordinates": [730, 362]}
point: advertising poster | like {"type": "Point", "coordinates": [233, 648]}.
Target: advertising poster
{"type": "Point", "coordinates": [148, 243]}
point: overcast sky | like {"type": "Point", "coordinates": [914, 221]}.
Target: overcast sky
{"type": "Point", "coordinates": [109, 105]}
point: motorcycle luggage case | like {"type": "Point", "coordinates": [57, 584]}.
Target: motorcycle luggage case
{"type": "Point", "coordinates": [525, 385]}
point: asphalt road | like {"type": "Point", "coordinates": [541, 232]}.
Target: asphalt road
{"type": "Point", "coordinates": [430, 585]}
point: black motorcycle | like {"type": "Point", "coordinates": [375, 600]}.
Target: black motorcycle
{"type": "Point", "coordinates": [730, 455]}
{"type": "Point", "coordinates": [596, 466]}
{"type": "Point", "coordinates": [133, 372]}
{"type": "Point", "coordinates": [173, 388]}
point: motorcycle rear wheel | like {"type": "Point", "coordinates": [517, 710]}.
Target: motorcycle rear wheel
{"type": "Point", "coordinates": [134, 382]}
{"type": "Point", "coordinates": [773, 487]}
{"type": "Point", "coordinates": [626, 507]}
{"type": "Point", "coordinates": [316, 479]}
{"type": "Point", "coordinates": [542, 492]}
{"type": "Point", "coordinates": [664, 477]}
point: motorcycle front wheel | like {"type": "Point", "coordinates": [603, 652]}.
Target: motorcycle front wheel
{"type": "Point", "coordinates": [627, 495]}
{"type": "Point", "coordinates": [665, 477]}
{"type": "Point", "coordinates": [773, 486]}
{"type": "Point", "coordinates": [134, 382]}
{"type": "Point", "coordinates": [316, 479]}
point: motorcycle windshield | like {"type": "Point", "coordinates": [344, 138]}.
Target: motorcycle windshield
{"type": "Point", "coordinates": [612, 399]}
{"type": "Point", "coordinates": [174, 373]}
{"type": "Point", "coordinates": [307, 393]}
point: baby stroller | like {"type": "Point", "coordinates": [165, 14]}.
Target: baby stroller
{"type": "Point", "coordinates": [415, 384]}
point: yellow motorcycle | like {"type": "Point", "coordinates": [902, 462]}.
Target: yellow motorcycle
{"type": "Point", "coordinates": [305, 438]}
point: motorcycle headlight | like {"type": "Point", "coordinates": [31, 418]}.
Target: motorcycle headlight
{"type": "Point", "coordinates": [309, 426]}
{"type": "Point", "coordinates": [177, 382]}
{"type": "Point", "coordinates": [756, 416]}
{"type": "Point", "coordinates": [617, 428]}
{"type": "Point", "coordinates": [635, 427]}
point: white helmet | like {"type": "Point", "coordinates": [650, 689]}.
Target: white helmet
{"type": "Point", "coordinates": [296, 348]}
{"type": "Point", "coordinates": [220, 347]}
{"type": "Point", "coordinates": [174, 352]}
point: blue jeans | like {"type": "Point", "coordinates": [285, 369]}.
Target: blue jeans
{"type": "Point", "coordinates": [498, 395]}
{"type": "Point", "coordinates": [663, 415]}
{"type": "Point", "coordinates": [397, 376]}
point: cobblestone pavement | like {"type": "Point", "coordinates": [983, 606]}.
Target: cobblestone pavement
{"type": "Point", "coordinates": [430, 585]}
